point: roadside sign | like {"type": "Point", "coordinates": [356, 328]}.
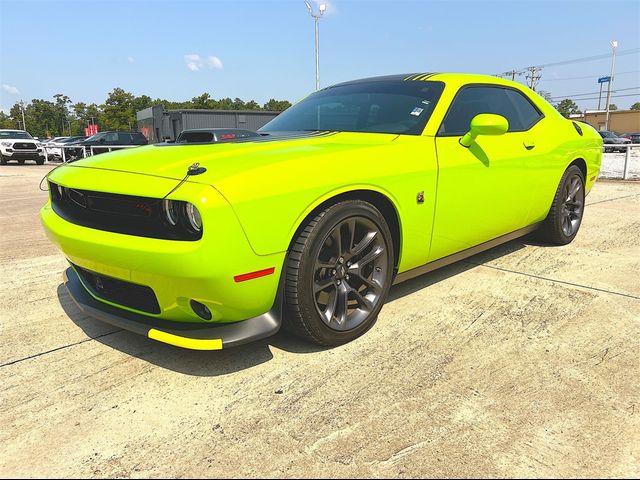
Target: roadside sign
{"type": "Point", "coordinates": [604, 79]}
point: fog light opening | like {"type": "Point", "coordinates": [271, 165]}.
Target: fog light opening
{"type": "Point", "coordinates": [201, 310]}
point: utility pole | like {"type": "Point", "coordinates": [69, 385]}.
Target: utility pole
{"type": "Point", "coordinates": [316, 17]}
{"type": "Point", "coordinates": [614, 45]}
{"type": "Point", "coordinates": [533, 76]}
{"type": "Point", "coordinates": [24, 125]}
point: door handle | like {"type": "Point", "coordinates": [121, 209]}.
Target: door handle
{"type": "Point", "coordinates": [529, 144]}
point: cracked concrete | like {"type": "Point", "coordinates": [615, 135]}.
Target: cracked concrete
{"type": "Point", "coordinates": [520, 362]}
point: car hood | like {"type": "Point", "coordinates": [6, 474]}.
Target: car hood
{"type": "Point", "coordinates": [224, 161]}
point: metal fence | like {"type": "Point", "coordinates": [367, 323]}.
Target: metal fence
{"type": "Point", "coordinates": [88, 151]}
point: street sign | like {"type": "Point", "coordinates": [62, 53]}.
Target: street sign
{"type": "Point", "coordinates": [604, 79]}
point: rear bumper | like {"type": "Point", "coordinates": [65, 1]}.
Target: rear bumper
{"type": "Point", "coordinates": [195, 336]}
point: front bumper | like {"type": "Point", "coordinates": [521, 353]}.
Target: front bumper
{"type": "Point", "coordinates": [10, 154]}
{"type": "Point", "coordinates": [195, 336]}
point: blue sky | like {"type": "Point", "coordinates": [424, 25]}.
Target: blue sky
{"type": "Point", "coordinates": [264, 49]}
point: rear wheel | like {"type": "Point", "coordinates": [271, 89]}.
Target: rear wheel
{"type": "Point", "coordinates": [338, 274]}
{"type": "Point", "coordinates": [40, 161]}
{"type": "Point", "coordinates": [3, 160]}
{"type": "Point", "coordinates": [565, 216]}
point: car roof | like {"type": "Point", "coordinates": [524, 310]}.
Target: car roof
{"type": "Point", "coordinates": [458, 78]}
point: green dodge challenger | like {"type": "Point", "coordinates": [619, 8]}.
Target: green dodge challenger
{"type": "Point", "coordinates": [308, 222]}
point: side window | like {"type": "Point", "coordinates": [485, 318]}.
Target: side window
{"type": "Point", "coordinates": [124, 138]}
{"type": "Point", "coordinates": [471, 101]}
{"type": "Point", "coordinates": [111, 138]}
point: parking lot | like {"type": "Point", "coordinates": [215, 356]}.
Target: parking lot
{"type": "Point", "coordinates": [521, 361]}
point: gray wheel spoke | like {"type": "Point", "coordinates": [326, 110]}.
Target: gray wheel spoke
{"type": "Point", "coordinates": [351, 225]}
{"type": "Point", "coordinates": [369, 257]}
{"type": "Point", "coordinates": [342, 311]}
{"type": "Point", "coordinates": [363, 244]}
{"type": "Point", "coordinates": [331, 306]}
{"type": "Point", "coordinates": [320, 285]}
{"type": "Point", "coordinates": [362, 301]}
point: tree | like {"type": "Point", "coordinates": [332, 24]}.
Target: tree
{"type": "Point", "coordinates": [635, 106]}
{"type": "Point", "coordinates": [613, 106]}
{"type": "Point", "coordinates": [118, 111]}
{"type": "Point", "coordinates": [277, 105]}
{"type": "Point", "coordinates": [567, 107]}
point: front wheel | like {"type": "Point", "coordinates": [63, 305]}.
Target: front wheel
{"type": "Point", "coordinates": [338, 274]}
{"type": "Point", "coordinates": [565, 216]}
{"type": "Point", "coordinates": [3, 160]}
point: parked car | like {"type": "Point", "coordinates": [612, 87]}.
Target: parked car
{"type": "Point", "coordinates": [214, 135]}
{"type": "Point", "coordinates": [358, 186]}
{"type": "Point", "coordinates": [54, 147]}
{"type": "Point", "coordinates": [632, 137]}
{"type": "Point", "coordinates": [20, 146]}
{"type": "Point", "coordinates": [103, 142]}
{"type": "Point", "coordinates": [612, 142]}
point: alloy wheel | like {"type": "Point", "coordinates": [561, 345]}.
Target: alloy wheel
{"type": "Point", "coordinates": [573, 205]}
{"type": "Point", "coordinates": [350, 271]}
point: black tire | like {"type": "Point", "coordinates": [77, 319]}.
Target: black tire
{"type": "Point", "coordinates": [363, 269]}
{"type": "Point", "coordinates": [565, 216]}
{"type": "Point", "coordinates": [21, 161]}
{"type": "Point", "coordinates": [3, 160]}
{"type": "Point", "coordinates": [40, 161]}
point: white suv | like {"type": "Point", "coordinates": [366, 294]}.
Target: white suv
{"type": "Point", "coordinates": [19, 145]}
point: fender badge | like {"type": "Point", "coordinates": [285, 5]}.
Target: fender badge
{"type": "Point", "coordinates": [420, 197]}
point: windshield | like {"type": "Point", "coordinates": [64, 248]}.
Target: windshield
{"type": "Point", "coordinates": [15, 134]}
{"type": "Point", "coordinates": [97, 136]}
{"type": "Point", "coordinates": [391, 106]}
{"type": "Point", "coordinates": [606, 134]}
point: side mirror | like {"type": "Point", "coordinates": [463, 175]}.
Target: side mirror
{"type": "Point", "coordinates": [484, 124]}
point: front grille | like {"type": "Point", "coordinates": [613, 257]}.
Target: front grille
{"type": "Point", "coordinates": [24, 146]}
{"type": "Point", "coordinates": [128, 214]}
{"type": "Point", "coordinates": [138, 297]}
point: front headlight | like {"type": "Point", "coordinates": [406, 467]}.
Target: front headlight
{"type": "Point", "coordinates": [6, 144]}
{"type": "Point", "coordinates": [194, 217]}
{"type": "Point", "coordinates": [178, 213]}
{"type": "Point", "coordinates": [171, 210]}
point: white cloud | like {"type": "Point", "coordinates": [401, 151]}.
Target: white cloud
{"type": "Point", "coordinates": [193, 61]}
{"type": "Point", "coordinates": [131, 59]}
{"type": "Point", "coordinates": [10, 89]}
{"type": "Point", "coordinates": [215, 63]}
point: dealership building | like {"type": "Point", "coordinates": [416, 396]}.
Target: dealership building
{"type": "Point", "coordinates": [156, 123]}
{"type": "Point", "coordinates": [620, 121]}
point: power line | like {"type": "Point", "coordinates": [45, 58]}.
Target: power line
{"type": "Point", "coordinates": [520, 71]}
{"type": "Point", "coordinates": [593, 93]}
{"type": "Point", "coordinates": [587, 77]}
{"type": "Point", "coordinates": [612, 96]}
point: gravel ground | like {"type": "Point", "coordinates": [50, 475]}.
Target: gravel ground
{"type": "Point", "coordinates": [613, 165]}
{"type": "Point", "coordinates": [519, 362]}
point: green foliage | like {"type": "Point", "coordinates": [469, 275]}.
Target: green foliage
{"type": "Point", "coordinates": [613, 106]}
{"type": "Point", "coordinates": [635, 106]}
{"type": "Point", "coordinates": [567, 107]}
{"type": "Point", "coordinates": [63, 117]}
{"type": "Point", "coordinates": [277, 105]}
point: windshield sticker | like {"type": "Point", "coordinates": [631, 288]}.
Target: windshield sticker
{"type": "Point", "coordinates": [417, 111]}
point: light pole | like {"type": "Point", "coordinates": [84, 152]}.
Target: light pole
{"type": "Point", "coordinates": [316, 17]}
{"type": "Point", "coordinates": [24, 125]}
{"type": "Point", "coordinates": [614, 45]}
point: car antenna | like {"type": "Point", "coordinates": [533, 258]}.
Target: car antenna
{"type": "Point", "coordinates": [194, 169]}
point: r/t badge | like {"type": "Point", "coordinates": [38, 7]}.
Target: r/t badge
{"type": "Point", "coordinates": [420, 197]}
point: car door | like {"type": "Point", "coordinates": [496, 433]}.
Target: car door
{"type": "Point", "coordinates": [482, 190]}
